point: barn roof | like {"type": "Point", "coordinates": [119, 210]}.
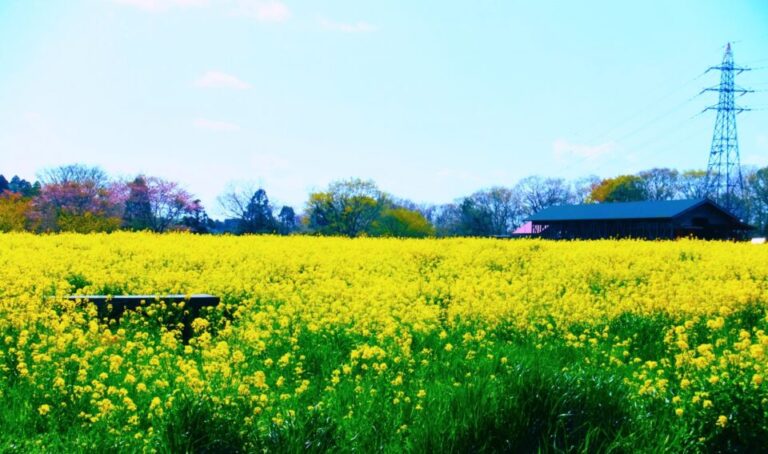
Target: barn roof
{"type": "Point", "coordinates": [661, 209]}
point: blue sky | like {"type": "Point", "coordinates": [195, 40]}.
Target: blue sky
{"type": "Point", "coordinates": [432, 100]}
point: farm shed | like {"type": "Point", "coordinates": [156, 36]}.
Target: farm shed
{"type": "Point", "coordinates": [668, 219]}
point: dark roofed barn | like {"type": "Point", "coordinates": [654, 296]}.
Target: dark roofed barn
{"type": "Point", "coordinates": [700, 218]}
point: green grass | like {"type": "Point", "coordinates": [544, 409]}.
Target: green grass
{"type": "Point", "coordinates": [547, 396]}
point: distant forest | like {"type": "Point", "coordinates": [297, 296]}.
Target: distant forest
{"type": "Point", "coordinates": [78, 198]}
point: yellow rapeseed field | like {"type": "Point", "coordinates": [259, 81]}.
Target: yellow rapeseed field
{"type": "Point", "coordinates": [341, 343]}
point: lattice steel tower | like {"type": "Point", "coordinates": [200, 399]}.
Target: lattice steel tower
{"type": "Point", "coordinates": [724, 182]}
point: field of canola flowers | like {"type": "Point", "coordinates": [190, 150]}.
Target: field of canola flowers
{"type": "Point", "coordinates": [384, 345]}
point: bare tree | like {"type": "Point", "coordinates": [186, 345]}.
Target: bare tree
{"type": "Point", "coordinates": [537, 193]}
{"type": "Point", "coordinates": [78, 198]}
{"type": "Point", "coordinates": [691, 184]}
{"type": "Point", "coordinates": [446, 218]}
{"type": "Point", "coordinates": [75, 174]}
{"type": "Point", "coordinates": [660, 183]}
{"type": "Point", "coordinates": [583, 187]}
{"type": "Point", "coordinates": [235, 199]}
{"type": "Point", "coordinates": [500, 206]}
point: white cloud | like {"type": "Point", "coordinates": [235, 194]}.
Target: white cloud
{"type": "Point", "coordinates": [211, 125]}
{"type": "Point", "coordinates": [564, 150]}
{"type": "Point", "coordinates": [161, 5]}
{"type": "Point", "coordinates": [356, 27]}
{"type": "Point", "coordinates": [217, 79]}
{"type": "Point", "coordinates": [263, 10]}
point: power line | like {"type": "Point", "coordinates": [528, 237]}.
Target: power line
{"type": "Point", "coordinates": [664, 114]}
{"type": "Point", "coordinates": [664, 150]}
{"type": "Point", "coordinates": [657, 118]}
{"type": "Point", "coordinates": [655, 103]}
{"type": "Point", "coordinates": [657, 137]}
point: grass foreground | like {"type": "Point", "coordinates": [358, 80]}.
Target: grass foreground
{"type": "Point", "coordinates": [455, 345]}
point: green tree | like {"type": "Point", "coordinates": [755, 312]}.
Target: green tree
{"type": "Point", "coordinates": [87, 222]}
{"type": "Point", "coordinates": [347, 208]}
{"type": "Point", "coordinates": [137, 214]}
{"type": "Point", "coordinates": [474, 218]}
{"type": "Point", "coordinates": [258, 217]}
{"type": "Point", "coordinates": [197, 220]}
{"type": "Point", "coordinates": [14, 212]}
{"type": "Point", "coordinates": [286, 220]}
{"type": "Point", "coordinates": [500, 207]}
{"type": "Point", "coordinates": [624, 188]}
{"type": "Point", "coordinates": [402, 223]}
{"type": "Point", "coordinates": [23, 187]}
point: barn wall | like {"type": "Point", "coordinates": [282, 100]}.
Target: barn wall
{"type": "Point", "coordinates": [714, 216]}
{"type": "Point", "coordinates": [603, 229]}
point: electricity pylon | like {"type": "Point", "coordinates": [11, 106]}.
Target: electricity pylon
{"type": "Point", "coordinates": [724, 182]}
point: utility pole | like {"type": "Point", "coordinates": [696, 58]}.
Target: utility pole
{"type": "Point", "coordinates": [724, 182]}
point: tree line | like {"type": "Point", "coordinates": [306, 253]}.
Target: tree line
{"type": "Point", "coordinates": [78, 198]}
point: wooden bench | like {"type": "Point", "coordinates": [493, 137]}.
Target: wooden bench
{"type": "Point", "coordinates": [113, 307]}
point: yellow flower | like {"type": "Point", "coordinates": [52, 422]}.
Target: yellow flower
{"type": "Point", "coordinates": [722, 420]}
{"type": "Point", "coordinates": [129, 405]}
{"type": "Point", "coordinates": [199, 324]}
{"type": "Point", "coordinates": [391, 304]}
{"type": "Point", "coordinates": [302, 387]}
